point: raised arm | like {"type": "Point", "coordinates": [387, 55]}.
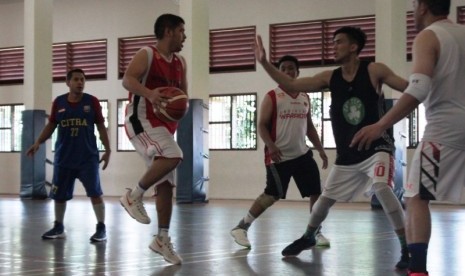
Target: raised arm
{"type": "Point", "coordinates": [387, 76]}
{"type": "Point", "coordinates": [307, 84]}
{"type": "Point", "coordinates": [425, 55]}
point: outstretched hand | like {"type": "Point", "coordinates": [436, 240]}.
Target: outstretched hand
{"type": "Point", "coordinates": [260, 53]}
{"type": "Point", "coordinates": [365, 136]}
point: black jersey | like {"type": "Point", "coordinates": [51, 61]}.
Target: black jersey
{"type": "Point", "coordinates": [354, 105]}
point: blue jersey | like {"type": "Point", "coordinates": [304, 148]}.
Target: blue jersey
{"type": "Point", "coordinates": [76, 143]}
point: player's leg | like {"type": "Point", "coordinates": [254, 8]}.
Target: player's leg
{"type": "Point", "coordinates": [436, 173]}
{"type": "Point", "coordinates": [418, 223]}
{"type": "Point", "coordinates": [164, 204]}
{"type": "Point", "coordinates": [90, 178]}
{"type": "Point", "coordinates": [395, 214]}
{"type": "Point", "coordinates": [307, 179]}
{"type": "Point", "coordinates": [380, 167]}
{"type": "Point", "coordinates": [162, 155]}
{"type": "Point", "coordinates": [61, 191]}
{"type": "Point", "coordinates": [277, 182]}
{"type": "Point", "coordinates": [344, 183]}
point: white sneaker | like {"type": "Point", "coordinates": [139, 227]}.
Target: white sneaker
{"type": "Point", "coordinates": [165, 248]}
{"type": "Point", "coordinates": [321, 240]}
{"type": "Point", "coordinates": [134, 207]}
{"type": "Point", "coordinates": [240, 237]}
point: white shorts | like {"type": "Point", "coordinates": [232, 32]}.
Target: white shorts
{"type": "Point", "coordinates": [157, 142]}
{"type": "Point", "coordinates": [346, 183]}
{"type": "Point", "coordinates": [436, 173]}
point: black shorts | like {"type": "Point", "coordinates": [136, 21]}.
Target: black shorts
{"type": "Point", "coordinates": [303, 169]}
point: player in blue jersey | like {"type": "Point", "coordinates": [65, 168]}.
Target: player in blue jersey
{"type": "Point", "coordinates": [75, 114]}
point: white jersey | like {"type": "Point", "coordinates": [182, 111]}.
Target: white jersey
{"type": "Point", "coordinates": [445, 104]}
{"type": "Point", "coordinates": [288, 124]}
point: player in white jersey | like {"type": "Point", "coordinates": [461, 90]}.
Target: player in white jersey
{"type": "Point", "coordinates": [285, 121]}
{"type": "Point", "coordinates": [437, 81]}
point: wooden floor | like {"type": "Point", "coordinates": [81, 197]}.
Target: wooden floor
{"type": "Point", "coordinates": [362, 242]}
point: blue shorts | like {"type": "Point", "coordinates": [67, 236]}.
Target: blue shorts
{"type": "Point", "coordinates": [64, 179]}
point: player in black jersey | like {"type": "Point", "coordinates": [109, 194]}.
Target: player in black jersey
{"type": "Point", "coordinates": [356, 101]}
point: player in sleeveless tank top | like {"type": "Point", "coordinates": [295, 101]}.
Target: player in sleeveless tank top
{"type": "Point", "coordinates": [346, 181]}
{"type": "Point", "coordinates": [152, 69]}
{"type": "Point", "coordinates": [437, 79]}
{"type": "Point", "coordinates": [284, 122]}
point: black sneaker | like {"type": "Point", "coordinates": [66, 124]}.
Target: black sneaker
{"type": "Point", "coordinates": [294, 249]}
{"type": "Point", "coordinates": [404, 259]}
{"type": "Point", "coordinates": [57, 232]}
{"type": "Point", "coordinates": [100, 233]}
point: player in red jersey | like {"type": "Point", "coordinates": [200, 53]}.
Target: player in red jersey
{"type": "Point", "coordinates": [152, 69]}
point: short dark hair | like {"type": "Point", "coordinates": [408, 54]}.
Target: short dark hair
{"type": "Point", "coordinates": [70, 73]}
{"type": "Point", "coordinates": [289, 58]}
{"type": "Point", "coordinates": [355, 34]}
{"type": "Point", "coordinates": [165, 21]}
{"type": "Point", "coordinates": [437, 7]}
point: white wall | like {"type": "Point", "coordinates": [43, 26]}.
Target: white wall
{"type": "Point", "coordinates": [233, 174]}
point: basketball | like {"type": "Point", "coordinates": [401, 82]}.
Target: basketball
{"type": "Point", "coordinates": [175, 108]}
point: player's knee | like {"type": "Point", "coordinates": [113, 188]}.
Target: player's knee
{"type": "Point", "coordinates": [387, 198]}
{"type": "Point", "coordinates": [266, 200]}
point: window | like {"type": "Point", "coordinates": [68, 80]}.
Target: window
{"type": "Point", "coordinates": [366, 23]}
{"type": "Point", "coordinates": [90, 56]}
{"type": "Point", "coordinates": [312, 41]}
{"type": "Point", "coordinates": [231, 50]}
{"type": "Point", "coordinates": [100, 147]}
{"type": "Point", "coordinates": [11, 65]}
{"type": "Point", "coordinates": [302, 40]}
{"type": "Point", "coordinates": [127, 48]}
{"type": "Point", "coordinates": [123, 141]}
{"type": "Point", "coordinates": [320, 102]}
{"type": "Point", "coordinates": [11, 127]}
{"type": "Point", "coordinates": [461, 15]}
{"type": "Point", "coordinates": [233, 122]}
{"type": "Point", "coordinates": [411, 33]}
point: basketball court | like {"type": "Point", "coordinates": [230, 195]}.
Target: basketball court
{"type": "Point", "coordinates": [362, 242]}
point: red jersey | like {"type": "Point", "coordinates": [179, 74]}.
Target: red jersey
{"type": "Point", "coordinates": [162, 72]}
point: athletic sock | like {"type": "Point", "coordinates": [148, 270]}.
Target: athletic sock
{"type": "Point", "coordinates": [163, 233]}
{"type": "Point", "coordinates": [243, 225]}
{"type": "Point", "coordinates": [311, 231]}
{"type": "Point", "coordinates": [249, 218]}
{"type": "Point", "coordinates": [418, 252]}
{"type": "Point", "coordinates": [137, 191]}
